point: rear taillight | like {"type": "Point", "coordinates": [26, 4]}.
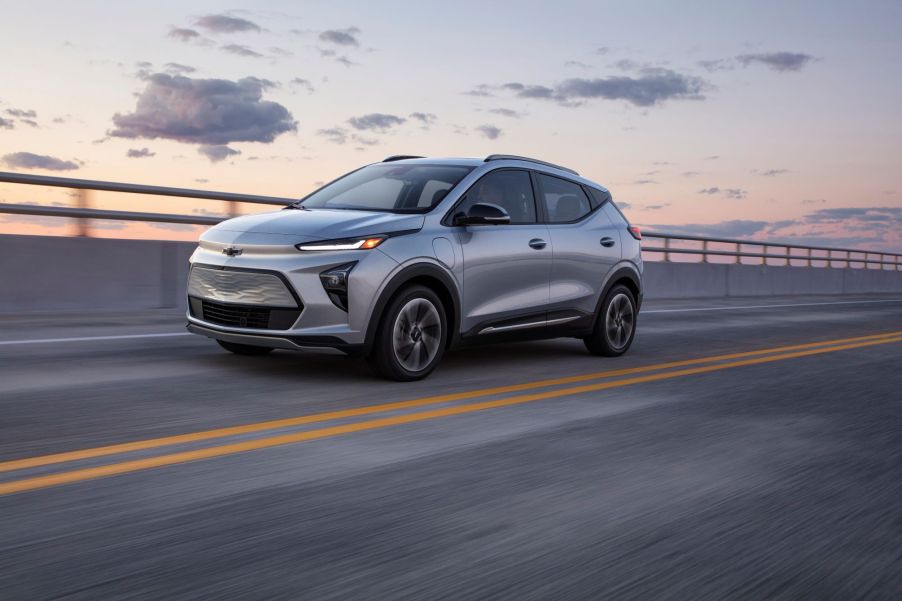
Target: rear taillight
{"type": "Point", "coordinates": [635, 232]}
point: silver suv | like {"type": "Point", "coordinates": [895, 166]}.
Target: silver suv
{"type": "Point", "coordinates": [400, 260]}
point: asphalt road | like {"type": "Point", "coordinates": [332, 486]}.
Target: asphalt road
{"type": "Point", "coordinates": [744, 449]}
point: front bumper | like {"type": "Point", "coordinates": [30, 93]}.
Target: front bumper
{"type": "Point", "coordinates": [279, 341]}
{"type": "Point", "coordinates": [274, 293]}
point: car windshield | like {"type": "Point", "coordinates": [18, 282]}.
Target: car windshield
{"type": "Point", "coordinates": [387, 187]}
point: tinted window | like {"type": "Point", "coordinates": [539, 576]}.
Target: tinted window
{"type": "Point", "coordinates": [388, 187]}
{"type": "Point", "coordinates": [597, 197]}
{"type": "Point", "coordinates": [565, 201]}
{"type": "Point", "coordinates": [509, 189]}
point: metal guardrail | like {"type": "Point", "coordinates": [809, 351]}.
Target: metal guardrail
{"type": "Point", "coordinates": [849, 256]}
{"type": "Point", "coordinates": [84, 212]}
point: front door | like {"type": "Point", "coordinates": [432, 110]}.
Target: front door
{"type": "Point", "coordinates": [506, 268]}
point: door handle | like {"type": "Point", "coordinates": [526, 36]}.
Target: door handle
{"type": "Point", "coordinates": [607, 242]}
{"type": "Point", "coordinates": [537, 243]}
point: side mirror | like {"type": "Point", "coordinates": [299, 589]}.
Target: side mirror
{"type": "Point", "coordinates": [483, 213]}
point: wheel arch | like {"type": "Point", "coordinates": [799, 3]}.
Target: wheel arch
{"type": "Point", "coordinates": [425, 274]}
{"type": "Point", "coordinates": [627, 275]}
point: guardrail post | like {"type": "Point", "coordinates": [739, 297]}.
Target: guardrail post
{"type": "Point", "coordinates": [233, 208]}
{"type": "Point", "coordinates": [82, 201]}
{"type": "Point", "coordinates": [738, 250]}
{"type": "Point", "coordinates": [788, 254]}
{"type": "Point", "coordinates": [705, 252]}
{"type": "Point", "coordinates": [764, 257]}
{"type": "Point", "coordinates": [666, 246]}
{"type": "Point", "coordinates": [808, 258]}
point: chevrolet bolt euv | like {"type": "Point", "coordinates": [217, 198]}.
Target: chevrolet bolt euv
{"type": "Point", "coordinates": [401, 260]}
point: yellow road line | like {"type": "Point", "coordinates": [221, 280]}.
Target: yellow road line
{"type": "Point", "coordinates": [152, 443]}
{"type": "Point", "coordinates": [80, 475]}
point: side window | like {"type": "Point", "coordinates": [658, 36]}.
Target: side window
{"type": "Point", "coordinates": [564, 200]}
{"type": "Point", "coordinates": [510, 189]}
{"type": "Point", "coordinates": [597, 197]}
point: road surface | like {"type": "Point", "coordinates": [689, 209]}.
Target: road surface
{"type": "Point", "coordinates": [747, 449]}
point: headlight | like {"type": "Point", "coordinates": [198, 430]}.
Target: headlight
{"type": "Point", "coordinates": [335, 282]}
{"type": "Point", "coordinates": [347, 244]}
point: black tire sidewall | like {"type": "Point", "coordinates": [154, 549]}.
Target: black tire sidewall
{"type": "Point", "coordinates": [383, 356]}
{"type": "Point", "coordinates": [597, 342]}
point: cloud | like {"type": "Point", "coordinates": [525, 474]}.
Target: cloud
{"type": "Point", "coordinates": [643, 182]}
{"type": "Point", "coordinates": [876, 228]}
{"type": "Point", "coordinates": [736, 193]}
{"type": "Point", "coordinates": [506, 113]}
{"type": "Point", "coordinates": [480, 91]}
{"type": "Point", "coordinates": [777, 61]}
{"type": "Point", "coordinates": [602, 50]}
{"type": "Point", "coordinates": [652, 86]}
{"type": "Point", "coordinates": [241, 50]}
{"type": "Point", "coordinates": [814, 201]}
{"type": "Point", "coordinates": [771, 172]}
{"type": "Point", "coordinates": [624, 205]}
{"type": "Point", "coordinates": [529, 91]}
{"type": "Point", "coordinates": [280, 51]}
{"type": "Point", "coordinates": [341, 37]}
{"type": "Point", "coordinates": [712, 157]}
{"type": "Point", "coordinates": [177, 69]}
{"type": "Point", "coordinates": [184, 34]}
{"type": "Point", "coordinates": [336, 135]}
{"type": "Point", "coordinates": [426, 119]}
{"type": "Point", "coordinates": [302, 83]}
{"type": "Point", "coordinates": [28, 160]}
{"type": "Point", "coordinates": [6, 123]}
{"type": "Point", "coordinates": [719, 64]}
{"type": "Point", "coordinates": [577, 64]}
{"type": "Point", "coordinates": [735, 228]}
{"type": "Point", "coordinates": [22, 113]}
{"type": "Point", "coordinates": [376, 121]}
{"type": "Point", "coordinates": [225, 24]}
{"type": "Point", "coordinates": [217, 152]}
{"type": "Point", "coordinates": [139, 153]}
{"type": "Point", "coordinates": [204, 111]}
{"type": "Point", "coordinates": [712, 190]}
{"type": "Point", "coordinates": [364, 141]}
{"type": "Point", "coordinates": [690, 173]}
{"type": "Point", "coordinates": [489, 131]}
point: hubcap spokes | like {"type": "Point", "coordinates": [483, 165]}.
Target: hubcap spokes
{"type": "Point", "coordinates": [416, 334]}
{"type": "Point", "coordinates": [619, 321]}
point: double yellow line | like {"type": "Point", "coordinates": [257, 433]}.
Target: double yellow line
{"type": "Point", "coordinates": [705, 365]}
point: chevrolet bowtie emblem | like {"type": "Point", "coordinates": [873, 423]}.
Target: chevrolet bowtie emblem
{"type": "Point", "coordinates": [232, 251]}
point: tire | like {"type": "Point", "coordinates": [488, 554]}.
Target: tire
{"type": "Point", "coordinates": [245, 349]}
{"type": "Point", "coordinates": [615, 324]}
{"type": "Point", "coordinates": [411, 336]}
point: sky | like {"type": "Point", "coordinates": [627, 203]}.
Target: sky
{"type": "Point", "coordinates": [761, 120]}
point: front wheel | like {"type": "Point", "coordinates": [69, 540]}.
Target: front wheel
{"type": "Point", "coordinates": [244, 349]}
{"type": "Point", "coordinates": [615, 325]}
{"type": "Point", "coordinates": [411, 337]}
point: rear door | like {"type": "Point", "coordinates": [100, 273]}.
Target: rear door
{"type": "Point", "coordinates": [506, 268]}
{"type": "Point", "coordinates": [586, 245]}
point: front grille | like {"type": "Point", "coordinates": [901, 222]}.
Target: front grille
{"type": "Point", "coordinates": [239, 286]}
{"type": "Point", "coordinates": [243, 316]}
{"type": "Point", "coordinates": [237, 316]}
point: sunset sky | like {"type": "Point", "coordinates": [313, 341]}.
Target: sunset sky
{"type": "Point", "coordinates": [766, 120]}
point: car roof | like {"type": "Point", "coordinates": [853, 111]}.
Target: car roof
{"type": "Point", "coordinates": [502, 161]}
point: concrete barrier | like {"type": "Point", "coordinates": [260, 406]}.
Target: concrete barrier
{"type": "Point", "coordinates": [44, 273]}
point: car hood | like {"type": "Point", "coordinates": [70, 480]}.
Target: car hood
{"type": "Point", "coordinates": [323, 224]}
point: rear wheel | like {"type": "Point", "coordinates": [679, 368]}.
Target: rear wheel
{"type": "Point", "coordinates": [244, 349]}
{"type": "Point", "coordinates": [615, 325]}
{"type": "Point", "coordinates": [411, 337]}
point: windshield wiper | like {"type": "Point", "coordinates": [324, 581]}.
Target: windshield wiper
{"type": "Point", "coordinates": [296, 205]}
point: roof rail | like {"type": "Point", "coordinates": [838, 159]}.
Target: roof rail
{"type": "Point", "coordinates": [400, 157]}
{"type": "Point", "coordinates": [513, 157]}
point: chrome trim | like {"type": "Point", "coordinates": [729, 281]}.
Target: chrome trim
{"type": "Point", "coordinates": [523, 326]}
